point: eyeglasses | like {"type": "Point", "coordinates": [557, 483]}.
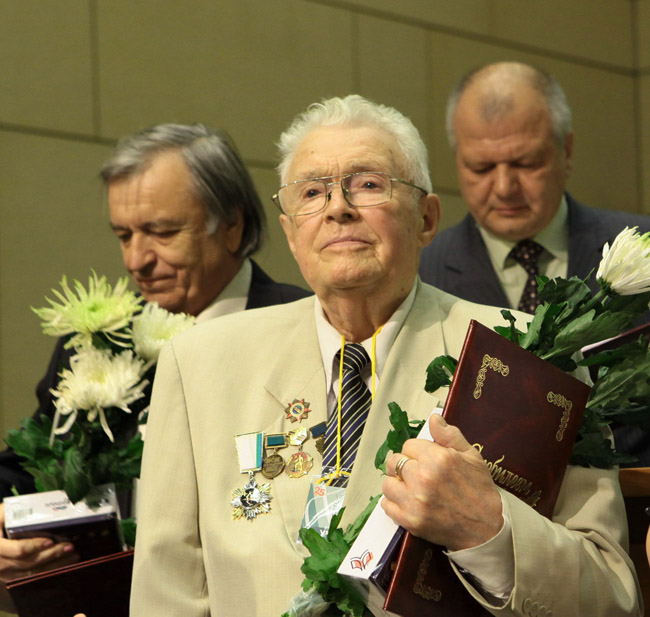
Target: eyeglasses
{"type": "Point", "coordinates": [363, 189]}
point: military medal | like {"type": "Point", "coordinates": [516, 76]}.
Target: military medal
{"type": "Point", "coordinates": [300, 462]}
{"type": "Point", "coordinates": [251, 500]}
{"type": "Point", "coordinates": [273, 463]}
{"type": "Point", "coordinates": [297, 411]}
{"type": "Point", "coordinates": [254, 498]}
{"type": "Point", "coordinates": [318, 433]}
{"type": "Point", "coordinates": [298, 436]}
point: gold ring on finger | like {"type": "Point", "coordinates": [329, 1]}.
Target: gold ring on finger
{"type": "Point", "coordinates": [400, 466]}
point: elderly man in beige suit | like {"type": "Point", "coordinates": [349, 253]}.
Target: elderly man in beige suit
{"type": "Point", "coordinates": [217, 538]}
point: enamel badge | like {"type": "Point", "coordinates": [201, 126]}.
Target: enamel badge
{"type": "Point", "coordinates": [251, 500]}
{"type": "Point", "coordinates": [297, 410]}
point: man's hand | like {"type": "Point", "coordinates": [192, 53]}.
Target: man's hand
{"type": "Point", "coordinates": [24, 557]}
{"type": "Point", "coordinates": [446, 494]}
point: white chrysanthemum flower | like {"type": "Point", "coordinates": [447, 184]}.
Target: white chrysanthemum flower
{"type": "Point", "coordinates": [153, 327]}
{"type": "Point", "coordinates": [96, 380]}
{"type": "Point", "coordinates": [625, 266]}
{"type": "Point", "coordinates": [98, 309]}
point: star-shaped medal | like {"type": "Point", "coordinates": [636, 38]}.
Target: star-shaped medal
{"type": "Point", "coordinates": [251, 500]}
{"type": "Point", "coordinates": [297, 410]}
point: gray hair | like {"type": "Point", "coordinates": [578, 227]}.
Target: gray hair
{"type": "Point", "coordinates": [221, 181]}
{"type": "Point", "coordinates": [354, 110]}
{"type": "Point", "coordinates": [548, 87]}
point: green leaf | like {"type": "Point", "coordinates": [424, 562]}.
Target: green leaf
{"type": "Point", "coordinates": [31, 439]}
{"type": "Point", "coordinates": [76, 481]}
{"type": "Point", "coordinates": [595, 450]}
{"type": "Point", "coordinates": [356, 526]}
{"type": "Point", "coordinates": [402, 429]}
{"type": "Point", "coordinates": [511, 332]}
{"type": "Point", "coordinates": [129, 528]}
{"type": "Point", "coordinates": [45, 479]}
{"type": "Point", "coordinates": [628, 379]}
{"type": "Point", "coordinates": [325, 556]}
{"type": "Point", "coordinates": [573, 291]}
{"type": "Point", "coordinates": [439, 373]}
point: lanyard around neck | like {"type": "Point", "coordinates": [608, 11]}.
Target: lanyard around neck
{"type": "Point", "coordinates": [338, 472]}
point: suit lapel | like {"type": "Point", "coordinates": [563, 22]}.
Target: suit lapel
{"type": "Point", "coordinates": [296, 373]}
{"type": "Point", "coordinates": [586, 240]}
{"type": "Point", "coordinates": [470, 274]}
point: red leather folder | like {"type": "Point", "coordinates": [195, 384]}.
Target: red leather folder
{"type": "Point", "coordinates": [98, 587]}
{"type": "Point", "coordinates": [524, 415]}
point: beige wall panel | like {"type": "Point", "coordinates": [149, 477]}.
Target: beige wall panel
{"type": "Point", "coordinates": [393, 68]}
{"type": "Point", "coordinates": [53, 223]}
{"type": "Point", "coordinates": [452, 210]}
{"type": "Point", "coordinates": [247, 66]}
{"type": "Point", "coordinates": [597, 30]}
{"type": "Point", "coordinates": [463, 15]}
{"type": "Point", "coordinates": [46, 64]}
{"type": "Point", "coordinates": [275, 257]}
{"type": "Point", "coordinates": [602, 102]}
{"type": "Point", "coordinates": [643, 33]}
{"type": "Point", "coordinates": [644, 91]}
{"type": "Point", "coordinates": [605, 157]}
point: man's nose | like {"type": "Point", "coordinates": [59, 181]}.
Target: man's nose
{"type": "Point", "coordinates": [337, 206]}
{"type": "Point", "coordinates": [506, 181]}
{"type": "Point", "coordinates": [138, 254]}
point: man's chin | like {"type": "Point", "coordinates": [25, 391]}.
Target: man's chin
{"type": "Point", "coordinates": [512, 228]}
{"type": "Point", "coordinates": [169, 302]}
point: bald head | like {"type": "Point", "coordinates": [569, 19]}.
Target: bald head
{"type": "Point", "coordinates": [496, 90]}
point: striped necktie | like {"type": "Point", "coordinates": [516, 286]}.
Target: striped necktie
{"type": "Point", "coordinates": [355, 404]}
{"type": "Point", "coordinates": [527, 253]}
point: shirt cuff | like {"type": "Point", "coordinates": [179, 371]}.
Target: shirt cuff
{"type": "Point", "coordinates": [491, 565]}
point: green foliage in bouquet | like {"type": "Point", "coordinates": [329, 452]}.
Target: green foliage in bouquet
{"type": "Point", "coordinates": [80, 459]}
{"type": "Point", "coordinates": [101, 398]}
{"type": "Point", "coordinates": [570, 318]}
{"type": "Point", "coordinates": [327, 553]}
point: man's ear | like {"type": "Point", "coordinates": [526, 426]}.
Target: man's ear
{"type": "Point", "coordinates": [233, 234]}
{"type": "Point", "coordinates": [288, 225]}
{"type": "Point", "coordinates": [430, 212]}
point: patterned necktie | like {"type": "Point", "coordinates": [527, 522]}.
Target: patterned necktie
{"type": "Point", "coordinates": [527, 253]}
{"type": "Point", "coordinates": [355, 404]}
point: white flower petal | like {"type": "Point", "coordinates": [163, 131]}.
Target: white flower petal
{"type": "Point", "coordinates": [625, 266]}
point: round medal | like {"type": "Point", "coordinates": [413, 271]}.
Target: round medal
{"type": "Point", "coordinates": [272, 466]}
{"type": "Point", "coordinates": [299, 464]}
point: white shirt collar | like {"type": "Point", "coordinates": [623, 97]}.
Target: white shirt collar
{"type": "Point", "coordinates": [233, 297]}
{"type": "Point", "coordinates": [554, 238]}
{"type": "Point", "coordinates": [330, 340]}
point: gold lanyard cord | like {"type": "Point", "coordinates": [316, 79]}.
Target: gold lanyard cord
{"type": "Point", "coordinates": [338, 472]}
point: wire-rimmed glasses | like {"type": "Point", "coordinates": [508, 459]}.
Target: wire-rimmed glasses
{"type": "Point", "coordinates": [362, 189]}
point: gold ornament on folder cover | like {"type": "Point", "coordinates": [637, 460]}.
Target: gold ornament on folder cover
{"type": "Point", "coordinates": [523, 414]}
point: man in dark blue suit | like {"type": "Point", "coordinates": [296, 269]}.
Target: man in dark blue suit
{"type": "Point", "coordinates": [188, 218]}
{"type": "Point", "coordinates": [510, 127]}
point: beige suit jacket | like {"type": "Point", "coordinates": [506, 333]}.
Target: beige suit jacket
{"type": "Point", "coordinates": [236, 375]}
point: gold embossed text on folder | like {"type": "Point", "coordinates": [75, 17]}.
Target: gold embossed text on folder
{"type": "Point", "coordinates": [523, 415]}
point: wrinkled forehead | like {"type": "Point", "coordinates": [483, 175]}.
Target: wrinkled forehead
{"type": "Point", "coordinates": [335, 150]}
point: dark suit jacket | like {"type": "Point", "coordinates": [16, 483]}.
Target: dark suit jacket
{"type": "Point", "coordinates": [457, 262]}
{"type": "Point", "coordinates": [264, 291]}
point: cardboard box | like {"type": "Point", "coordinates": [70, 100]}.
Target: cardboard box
{"type": "Point", "coordinates": [93, 529]}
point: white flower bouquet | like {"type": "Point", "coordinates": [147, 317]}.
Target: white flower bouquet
{"type": "Point", "coordinates": [103, 395]}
